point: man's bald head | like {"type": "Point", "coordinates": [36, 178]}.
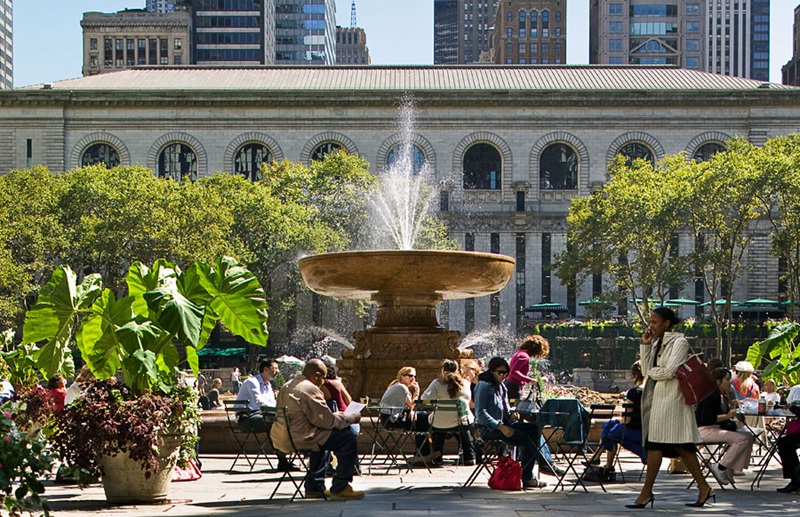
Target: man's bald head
{"type": "Point", "coordinates": [315, 371]}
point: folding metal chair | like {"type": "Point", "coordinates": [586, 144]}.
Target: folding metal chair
{"type": "Point", "coordinates": [627, 413]}
{"type": "Point", "coordinates": [710, 453]}
{"type": "Point", "coordinates": [580, 447]}
{"type": "Point", "coordinates": [232, 410]}
{"type": "Point", "coordinates": [487, 452]}
{"type": "Point", "coordinates": [280, 416]}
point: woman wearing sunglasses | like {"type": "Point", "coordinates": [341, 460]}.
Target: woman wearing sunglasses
{"type": "Point", "coordinates": [398, 403]}
{"type": "Point", "coordinates": [495, 421]}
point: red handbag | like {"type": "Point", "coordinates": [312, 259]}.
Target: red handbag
{"type": "Point", "coordinates": [190, 473]}
{"type": "Point", "coordinates": [695, 380]}
{"type": "Point", "coordinates": [507, 475]}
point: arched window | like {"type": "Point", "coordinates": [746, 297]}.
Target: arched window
{"type": "Point", "coordinates": [522, 18]}
{"type": "Point", "coordinates": [324, 149]}
{"type": "Point", "coordinates": [482, 166]}
{"type": "Point", "coordinates": [635, 150]}
{"type": "Point", "coordinates": [249, 159]}
{"type": "Point", "coordinates": [510, 16]}
{"type": "Point", "coordinates": [534, 17]}
{"type": "Point", "coordinates": [100, 153]}
{"type": "Point", "coordinates": [416, 155]}
{"type": "Point", "coordinates": [558, 167]}
{"type": "Point", "coordinates": [177, 161]}
{"type": "Point", "coordinates": [706, 151]}
{"type": "Point", "coordinates": [545, 17]}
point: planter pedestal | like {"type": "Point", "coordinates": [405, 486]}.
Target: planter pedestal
{"type": "Point", "coordinates": [124, 481]}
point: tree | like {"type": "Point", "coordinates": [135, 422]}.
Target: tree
{"type": "Point", "coordinates": [779, 161]}
{"type": "Point", "coordinates": [719, 210]}
{"type": "Point", "coordinates": [625, 229]}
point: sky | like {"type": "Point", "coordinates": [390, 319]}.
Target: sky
{"type": "Point", "coordinates": [48, 40]}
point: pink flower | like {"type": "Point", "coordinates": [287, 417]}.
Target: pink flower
{"type": "Point", "coordinates": [6, 414]}
{"type": "Point", "coordinates": [8, 439]}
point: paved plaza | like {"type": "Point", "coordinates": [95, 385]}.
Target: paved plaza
{"type": "Point", "coordinates": [422, 493]}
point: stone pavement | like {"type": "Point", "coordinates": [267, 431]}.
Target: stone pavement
{"type": "Point", "coordinates": [244, 493]}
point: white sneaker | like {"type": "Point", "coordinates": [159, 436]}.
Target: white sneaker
{"type": "Point", "coordinates": [721, 476]}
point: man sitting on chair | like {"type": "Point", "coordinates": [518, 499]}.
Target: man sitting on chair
{"type": "Point", "coordinates": [316, 428]}
{"type": "Point", "coordinates": [257, 391]}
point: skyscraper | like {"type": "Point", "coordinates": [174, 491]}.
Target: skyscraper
{"type": "Point", "coordinates": [791, 70]}
{"type": "Point", "coordinates": [160, 6]}
{"type": "Point", "coordinates": [305, 32]}
{"type": "Point", "coordinates": [351, 46]}
{"type": "Point", "coordinates": [6, 41]}
{"type": "Point", "coordinates": [461, 30]}
{"type": "Point", "coordinates": [738, 38]}
{"type": "Point", "coordinates": [233, 32]}
{"type": "Point", "coordinates": [530, 31]}
{"type": "Point", "coordinates": [640, 32]}
{"type": "Point", "coordinates": [729, 37]}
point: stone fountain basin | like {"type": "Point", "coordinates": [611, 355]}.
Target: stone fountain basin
{"type": "Point", "coordinates": [449, 274]}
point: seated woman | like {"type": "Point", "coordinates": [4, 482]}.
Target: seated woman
{"type": "Point", "coordinates": [400, 397]}
{"type": "Point", "coordinates": [715, 422]}
{"type": "Point", "coordinates": [336, 395]}
{"type": "Point", "coordinates": [213, 394]}
{"type": "Point", "coordinates": [495, 422]}
{"type": "Point", "coordinates": [628, 433]}
{"type": "Point", "coordinates": [451, 386]}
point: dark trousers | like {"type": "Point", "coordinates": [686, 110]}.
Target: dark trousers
{"type": "Point", "coordinates": [787, 450]}
{"type": "Point", "coordinates": [526, 437]}
{"type": "Point", "coordinates": [464, 435]}
{"type": "Point", "coordinates": [341, 442]}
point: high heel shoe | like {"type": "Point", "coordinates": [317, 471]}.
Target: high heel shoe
{"type": "Point", "coordinates": [650, 501]}
{"type": "Point", "coordinates": [699, 504]}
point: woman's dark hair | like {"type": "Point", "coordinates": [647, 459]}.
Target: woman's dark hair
{"type": "Point", "coordinates": [714, 363]}
{"type": "Point", "coordinates": [536, 346]}
{"type": "Point", "coordinates": [495, 363]}
{"type": "Point", "coordinates": [718, 374]}
{"type": "Point", "coordinates": [56, 382]}
{"type": "Point", "coordinates": [667, 314]}
{"type": "Point", "coordinates": [636, 372]}
{"type": "Point", "coordinates": [331, 366]}
{"type": "Point", "coordinates": [452, 378]}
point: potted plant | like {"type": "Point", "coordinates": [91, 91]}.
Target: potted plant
{"type": "Point", "coordinates": [131, 435]}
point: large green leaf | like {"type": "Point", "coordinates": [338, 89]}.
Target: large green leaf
{"type": "Point", "coordinates": [53, 318]}
{"type": "Point", "coordinates": [141, 371]}
{"type": "Point", "coordinates": [193, 360]}
{"type": "Point", "coordinates": [238, 299]}
{"type": "Point", "coordinates": [97, 339]}
{"type": "Point", "coordinates": [176, 313]}
{"type": "Point", "coordinates": [141, 279]}
{"type": "Point", "coordinates": [190, 285]}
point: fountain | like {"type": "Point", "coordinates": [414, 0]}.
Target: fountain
{"type": "Point", "coordinates": [405, 284]}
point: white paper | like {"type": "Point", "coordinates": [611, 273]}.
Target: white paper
{"type": "Point", "coordinates": [354, 408]}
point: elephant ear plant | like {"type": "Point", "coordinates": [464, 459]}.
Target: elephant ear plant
{"type": "Point", "coordinates": [140, 334]}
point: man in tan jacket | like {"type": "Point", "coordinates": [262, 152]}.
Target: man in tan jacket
{"type": "Point", "coordinates": [316, 428]}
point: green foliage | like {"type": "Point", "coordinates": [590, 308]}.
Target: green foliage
{"type": "Point", "coordinates": [24, 459]}
{"type": "Point", "coordinates": [109, 419]}
{"type": "Point", "coordinates": [780, 353]}
{"type": "Point", "coordinates": [138, 332]}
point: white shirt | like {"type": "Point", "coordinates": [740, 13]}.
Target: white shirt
{"type": "Point", "coordinates": [257, 392]}
{"type": "Point", "coordinates": [773, 397]}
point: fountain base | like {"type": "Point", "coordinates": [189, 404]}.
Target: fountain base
{"type": "Point", "coordinates": [379, 353]}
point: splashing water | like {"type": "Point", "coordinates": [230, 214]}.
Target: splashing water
{"type": "Point", "coordinates": [404, 194]}
{"type": "Point", "coordinates": [490, 342]}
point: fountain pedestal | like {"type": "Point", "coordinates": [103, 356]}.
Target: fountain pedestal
{"type": "Point", "coordinates": [406, 285]}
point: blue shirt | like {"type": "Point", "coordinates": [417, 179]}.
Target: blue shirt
{"type": "Point", "coordinates": [257, 392]}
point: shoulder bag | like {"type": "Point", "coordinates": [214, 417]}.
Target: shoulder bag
{"type": "Point", "coordinates": [507, 475]}
{"type": "Point", "coordinates": [695, 380]}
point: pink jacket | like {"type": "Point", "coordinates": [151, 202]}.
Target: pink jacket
{"type": "Point", "coordinates": [518, 368]}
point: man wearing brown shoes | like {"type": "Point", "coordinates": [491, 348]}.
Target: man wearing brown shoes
{"type": "Point", "coordinates": [316, 428]}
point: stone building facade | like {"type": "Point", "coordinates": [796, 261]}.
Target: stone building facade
{"type": "Point", "coordinates": [117, 41]}
{"type": "Point", "coordinates": [511, 145]}
{"type": "Point", "coordinates": [530, 32]}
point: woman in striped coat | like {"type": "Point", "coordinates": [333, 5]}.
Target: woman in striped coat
{"type": "Point", "coordinates": [668, 425]}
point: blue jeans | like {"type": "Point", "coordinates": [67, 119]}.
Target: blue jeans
{"type": "Point", "coordinates": [614, 432]}
{"type": "Point", "coordinates": [526, 437]}
{"type": "Point", "coordinates": [341, 442]}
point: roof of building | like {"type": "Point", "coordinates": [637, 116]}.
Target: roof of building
{"type": "Point", "coordinates": [413, 78]}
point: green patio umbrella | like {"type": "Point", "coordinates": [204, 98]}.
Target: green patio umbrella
{"type": "Point", "coordinates": [549, 306]}
{"type": "Point", "coordinates": [683, 301]}
{"type": "Point", "coordinates": [596, 301]}
{"type": "Point", "coordinates": [787, 302]}
{"type": "Point", "coordinates": [719, 302]}
{"type": "Point", "coordinates": [760, 301]}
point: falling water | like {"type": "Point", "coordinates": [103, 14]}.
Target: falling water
{"type": "Point", "coordinates": [404, 195]}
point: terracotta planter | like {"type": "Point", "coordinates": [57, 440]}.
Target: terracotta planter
{"type": "Point", "coordinates": [124, 481]}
